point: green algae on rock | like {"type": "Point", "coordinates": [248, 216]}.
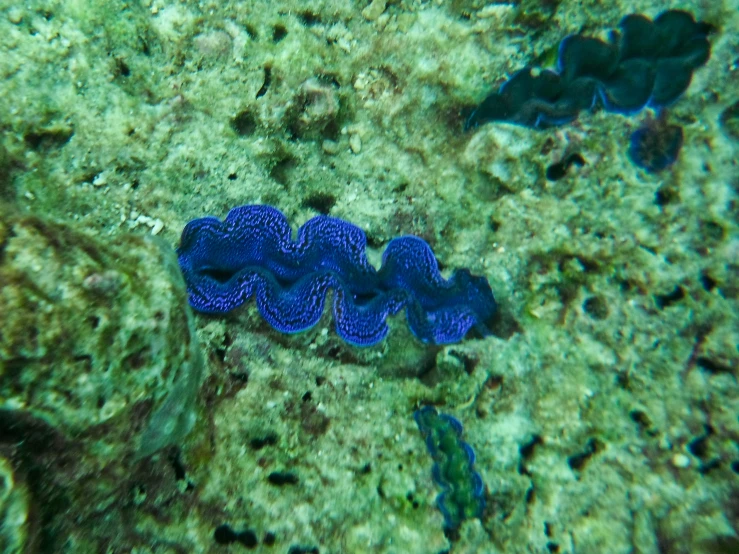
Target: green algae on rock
{"type": "Point", "coordinates": [14, 509]}
{"type": "Point", "coordinates": [88, 328]}
{"type": "Point", "coordinates": [94, 335]}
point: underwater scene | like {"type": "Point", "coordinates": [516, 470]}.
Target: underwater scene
{"type": "Point", "coordinates": [369, 276]}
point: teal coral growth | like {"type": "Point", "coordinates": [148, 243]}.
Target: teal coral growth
{"type": "Point", "coordinates": [463, 496]}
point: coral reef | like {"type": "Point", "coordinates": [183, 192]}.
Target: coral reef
{"type": "Point", "coordinates": [251, 253]}
{"type": "Point", "coordinates": [602, 407]}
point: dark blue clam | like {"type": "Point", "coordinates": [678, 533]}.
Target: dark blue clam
{"type": "Point", "coordinates": [650, 64]}
{"type": "Point", "coordinates": [252, 254]}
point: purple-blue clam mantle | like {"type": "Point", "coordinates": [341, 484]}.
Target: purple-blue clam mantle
{"type": "Point", "coordinates": [252, 253]}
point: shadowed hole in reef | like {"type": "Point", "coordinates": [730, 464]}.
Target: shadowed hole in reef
{"type": "Point", "coordinates": [244, 124]}
{"type": "Point", "coordinates": [708, 467]}
{"type": "Point", "coordinates": [596, 307]}
{"type": "Point", "coordinates": [251, 31]}
{"type": "Point", "coordinates": [729, 120]}
{"type": "Point", "coordinates": [220, 351]}
{"type": "Point", "coordinates": [48, 138]}
{"type": "Point", "coordinates": [320, 202]}
{"type": "Point", "coordinates": [174, 459]}
{"type": "Point", "coordinates": [224, 534]}
{"type": "Point", "coordinates": [526, 451]}
{"type": "Point", "coordinates": [238, 378]}
{"type": "Point", "coordinates": [303, 550]}
{"type": "Point", "coordinates": [469, 361]}
{"type": "Point", "coordinates": [309, 19]}
{"type": "Point", "coordinates": [281, 478]}
{"type": "Point", "coordinates": [137, 359]}
{"type": "Point", "coordinates": [666, 300]}
{"type": "Point", "coordinates": [248, 538]}
{"type": "Point", "coordinates": [279, 32]}
{"type": "Point", "coordinates": [578, 461]}
{"type": "Point", "coordinates": [641, 419]}
{"type": "Point", "coordinates": [267, 81]}
{"type": "Point", "coordinates": [494, 382]}
{"type": "Point", "coordinates": [260, 442]}
{"type": "Point", "coordinates": [710, 236]}
{"type": "Point", "coordinates": [503, 325]}
{"type": "Point", "coordinates": [280, 172]}
{"type": "Point", "coordinates": [452, 535]}
{"type": "Point", "coordinates": [708, 282]}
{"type": "Point", "coordinates": [41, 452]}
{"type": "Point", "coordinates": [665, 196]}
{"type": "Point", "coordinates": [698, 447]}
{"type": "Point", "coordinates": [558, 170]}
{"type": "Point", "coordinates": [712, 366]}
{"type": "Point", "coordinates": [121, 68]}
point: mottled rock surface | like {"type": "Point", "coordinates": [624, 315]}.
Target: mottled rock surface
{"type": "Point", "coordinates": [87, 355]}
{"type": "Point", "coordinates": [14, 509]}
{"type": "Point", "coordinates": [604, 410]}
